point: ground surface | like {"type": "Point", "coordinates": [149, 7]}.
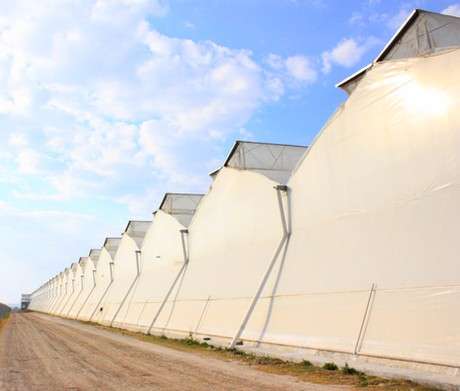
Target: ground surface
{"type": "Point", "coordinates": [39, 352]}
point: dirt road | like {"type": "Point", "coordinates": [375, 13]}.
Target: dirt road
{"type": "Point", "coordinates": [39, 352]}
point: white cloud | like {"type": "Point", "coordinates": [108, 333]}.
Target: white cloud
{"type": "Point", "coordinates": [40, 242]}
{"type": "Point", "coordinates": [113, 10]}
{"type": "Point", "coordinates": [9, 211]}
{"type": "Point", "coordinates": [453, 9]}
{"type": "Point", "coordinates": [18, 140]}
{"type": "Point", "coordinates": [347, 53]}
{"type": "Point", "coordinates": [293, 69]}
{"type": "Point", "coordinates": [141, 206]}
{"type": "Point", "coordinates": [356, 18]}
{"type": "Point", "coordinates": [369, 15]}
{"type": "Point", "coordinates": [98, 105]}
{"type": "Point", "coordinates": [301, 68]}
{"type": "Point", "coordinates": [28, 161]}
{"type": "Point", "coordinates": [275, 61]}
{"type": "Point", "coordinates": [93, 73]}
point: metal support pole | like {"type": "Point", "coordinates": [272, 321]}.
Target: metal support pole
{"type": "Point", "coordinates": [363, 322]}
{"type": "Point", "coordinates": [105, 292]}
{"type": "Point", "coordinates": [183, 235]}
{"type": "Point", "coordinates": [79, 293]}
{"type": "Point", "coordinates": [61, 297]}
{"type": "Point", "coordinates": [286, 233]}
{"type": "Point", "coordinates": [65, 301]}
{"type": "Point", "coordinates": [138, 273]}
{"type": "Point", "coordinates": [203, 312]}
{"type": "Point", "coordinates": [89, 294]}
{"type": "Point", "coordinates": [184, 241]}
{"type": "Point", "coordinates": [52, 299]}
{"type": "Point", "coordinates": [56, 299]}
{"type": "Point", "coordinates": [70, 296]}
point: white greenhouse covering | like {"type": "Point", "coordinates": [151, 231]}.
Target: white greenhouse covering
{"type": "Point", "coordinates": [88, 282]}
{"type": "Point", "coordinates": [227, 262]}
{"type": "Point", "coordinates": [104, 280]}
{"type": "Point", "coordinates": [162, 261]}
{"type": "Point", "coordinates": [126, 270]}
{"type": "Point", "coordinates": [348, 248]}
{"type": "Point", "coordinates": [83, 282]}
{"type": "Point", "coordinates": [73, 287]}
{"type": "Point", "coordinates": [56, 293]}
{"type": "Point", "coordinates": [385, 193]}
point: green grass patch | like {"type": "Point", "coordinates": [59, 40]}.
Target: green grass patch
{"type": "Point", "coordinates": [329, 373]}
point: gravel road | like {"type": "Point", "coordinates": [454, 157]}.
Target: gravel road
{"type": "Point", "coordinates": [39, 352]}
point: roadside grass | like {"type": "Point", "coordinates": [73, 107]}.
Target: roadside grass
{"type": "Point", "coordinates": [3, 321]}
{"type": "Point", "coordinates": [329, 373]}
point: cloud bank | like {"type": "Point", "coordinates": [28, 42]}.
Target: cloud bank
{"type": "Point", "coordinates": [100, 110]}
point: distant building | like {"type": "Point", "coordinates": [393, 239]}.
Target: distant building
{"type": "Point", "coordinates": [25, 301]}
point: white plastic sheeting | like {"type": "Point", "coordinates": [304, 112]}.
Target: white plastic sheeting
{"type": "Point", "coordinates": [37, 301]}
{"type": "Point", "coordinates": [65, 291]}
{"type": "Point", "coordinates": [84, 286]}
{"type": "Point", "coordinates": [73, 288]}
{"type": "Point", "coordinates": [126, 269]}
{"type": "Point", "coordinates": [375, 200]}
{"type": "Point", "coordinates": [88, 282]}
{"type": "Point", "coordinates": [234, 235]}
{"type": "Point", "coordinates": [104, 279]}
{"type": "Point", "coordinates": [41, 298]}
{"type": "Point", "coordinates": [56, 292]}
{"type": "Point", "coordinates": [162, 262]}
{"type": "Point", "coordinates": [79, 287]}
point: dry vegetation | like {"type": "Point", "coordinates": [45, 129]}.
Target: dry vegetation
{"type": "Point", "coordinates": [4, 315]}
{"type": "Point", "coordinates": [2, 323]}
{"type": "Point", "coordinates": [328, 374]}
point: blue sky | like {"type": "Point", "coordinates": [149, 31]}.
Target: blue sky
{"type": "Point", "coordinates": [105, 105]}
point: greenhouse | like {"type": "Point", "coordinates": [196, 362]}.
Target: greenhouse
{"type": "Point", "coordinates": [343, 250]}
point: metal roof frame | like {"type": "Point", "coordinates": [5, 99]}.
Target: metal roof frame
{"type": "Point", "coordinates": [402, 29]}
{"type": "Point", "coordinates": [238, 142]}
{"type": "Point", "coordinates": [135, 221]}
{"type": "Point", "coordinates": [110, 237]}
{"type": "Point", "coordinates": [163, 200]}
{"type": "Point", "coordinates": [93, 250]}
